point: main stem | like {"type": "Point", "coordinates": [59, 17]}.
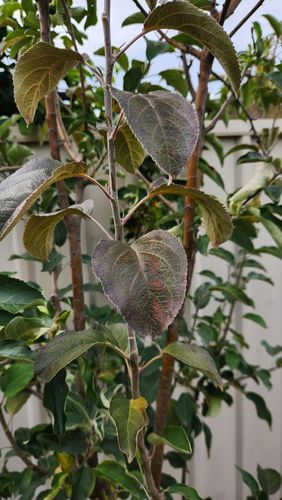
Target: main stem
{"type": "Point", "coordinates": [165, 385]}
{"type": "Point", "coordinates": [72, 222]}
{"type": "Point", "coordinates": [133, 350]}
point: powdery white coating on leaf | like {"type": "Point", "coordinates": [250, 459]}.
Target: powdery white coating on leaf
{"type": "Point", "coordinates": [38, 72]}
{"type": "Point", "coordinates": [183, 16]}
{"type": "Point", "coordinates": [146, 281]}
{"type": "Point", "coordinates": [165, 123]}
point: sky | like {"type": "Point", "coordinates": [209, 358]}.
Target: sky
{"type": "Point", "coordinates": [123, 8]}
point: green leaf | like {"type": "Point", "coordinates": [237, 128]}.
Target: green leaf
{"type": "Point", "coordinates": [20, 190]}
{"type": "Point", "coordinates": [16, 378]}
{"type": "Point", "coordinates": [196, 357]}
{"type": "Point", "coordinates": [129, 153]}
{"type": "Point", "coordinates": [151, 4]}
{"type": "Point", "coordinates": [15, 403]}
{"type": "Point", "coordinates": [16, 295]}
{"type": "Point", "coordinates": [152, 272]}
{"type": "Point", "coordinates": [271, 224]}
{"type": "Point", "coordinates": [16, 350]}
{"type": "Point", "coordinates": [185, 17]}
{"type": "Point", "coordinates": [218, 223]}
{"type": "Point", "coordinates": [256, 318]}
{"type": "Point", "coordinates": [155, 48]}
{"type": "Point", "coordinates": [130, 418]}
{"type": "Point", "coordinates": [250, 481]}
{"type": "Point", "coordinates": [275, 24]}
{"type": "Point", "coordinates": [39, 230]}
{"type": "Point", "coordinates": [186, 491]}
{"type": "Point", "coordinates": [83, 482]}
{"type": "Point", "coordinates": [258, 181]}
{"type": "Point", "coordinates": [136, 18]}
{"type": "Point", "coordinates": [91, 18]}
{"type": "Point", "coordinates": [117, 475]}
{"type": "Point", "coordinates": [261, 408]}
{"type": "Point", "coordinates": [173, 436]}
{"type": "Point", "coordinates": [68, 345]}
{"type": "Point", "coordinates": [26, 329]}
{"type": "Point", "coordinates": [276, 77]}
{"type": "Point", "coordinates": [17, 154]}
{"type": "Point", "coordinates": [270, 480]}
{"type": "Point", "coordinates": [272, 350]}
{"type": "Point", "coordinates": [55, 396]}
{"type": "Point", "coordinates": [174, 78]}
{"type": "Point", "coordinates": [233, 293]}
{"type": "Point", "coordinates": [38, 72]}
{"type": "Point", "coordinates": [165, 123]}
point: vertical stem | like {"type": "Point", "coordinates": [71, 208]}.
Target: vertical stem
{"type": "Point", "coordinates": [165, 385]}
{"type": "Point", "coordinates": [134, 358]}
{"type": "Point", "coordinates": [72, 222]}
{"type": "Point", "coordinates": [109, 119]}
{"type": "Point", "coordinates": [135, 391]}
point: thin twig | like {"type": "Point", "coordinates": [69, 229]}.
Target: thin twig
{"type": "Point", "coordinates": [186, 70]}
{"type": "Point", "coordinates": [152, 360]}
{"type": "Point", "coordinates": [224, 12]}
{"type": "Point", "coordinates": [126, 46]}
{"type": "Point", "coordinates": [160, 196]}
{"type": "Point", "coordinates": [21, 454]}
{"type": "Point", "coordinates": [80, 69]}
{"type": "Point", "coordinates": [109, 119]}
{"type": "Point", "coordinates": [219, 114]}
{"type": "Point", "coordinates": [245, 19]}
{"type": "Point", "coordinates": [97, 183]}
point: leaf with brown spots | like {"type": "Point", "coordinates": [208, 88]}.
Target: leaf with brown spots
{"type": "Point", "coordinates": [146, 281]}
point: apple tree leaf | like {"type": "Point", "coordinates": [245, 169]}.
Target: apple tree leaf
{"type": "Point", "coordinates": [38, 72]}
{"type": "Point", "coordinates": [68, 345]}
{"type": "Point", "coordinates": [129, 153]}
{"type": "Point", "coordinates": [165, 123]}
{"type": "Point", "coordinates": [153, 272]}
{"type": "Point", "coordinates": [20, 190]}
{"type": "Point", "coordinates": [39, 230]}
{"type": "Point", "coordinates": [189, 19]}
{"type": "Point", "coordinates": [217, 221]}
{"type": "Point", "coordinates": [195, 356]}
{"type": "Point", "coordinates": [130, 418]}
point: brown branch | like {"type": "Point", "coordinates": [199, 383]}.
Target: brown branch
{"type": "Point", "coordinates": [224, 11]}
{"type": "Point", "coordinates": [165, 386]}
{"type": "Point", "coordinates": [246, 18]}
{"type": "Point", "coordinates": [186, 70]}
{"type": "Point", "coordinates": [109, 119]}
{"type": "Point", "coordinates": [73, 223]}
{"type": "Point", "coordinates": [20, 453]}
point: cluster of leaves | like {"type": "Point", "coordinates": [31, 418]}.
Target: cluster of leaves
{"type": "Point", "coordinates": [81, 376]}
